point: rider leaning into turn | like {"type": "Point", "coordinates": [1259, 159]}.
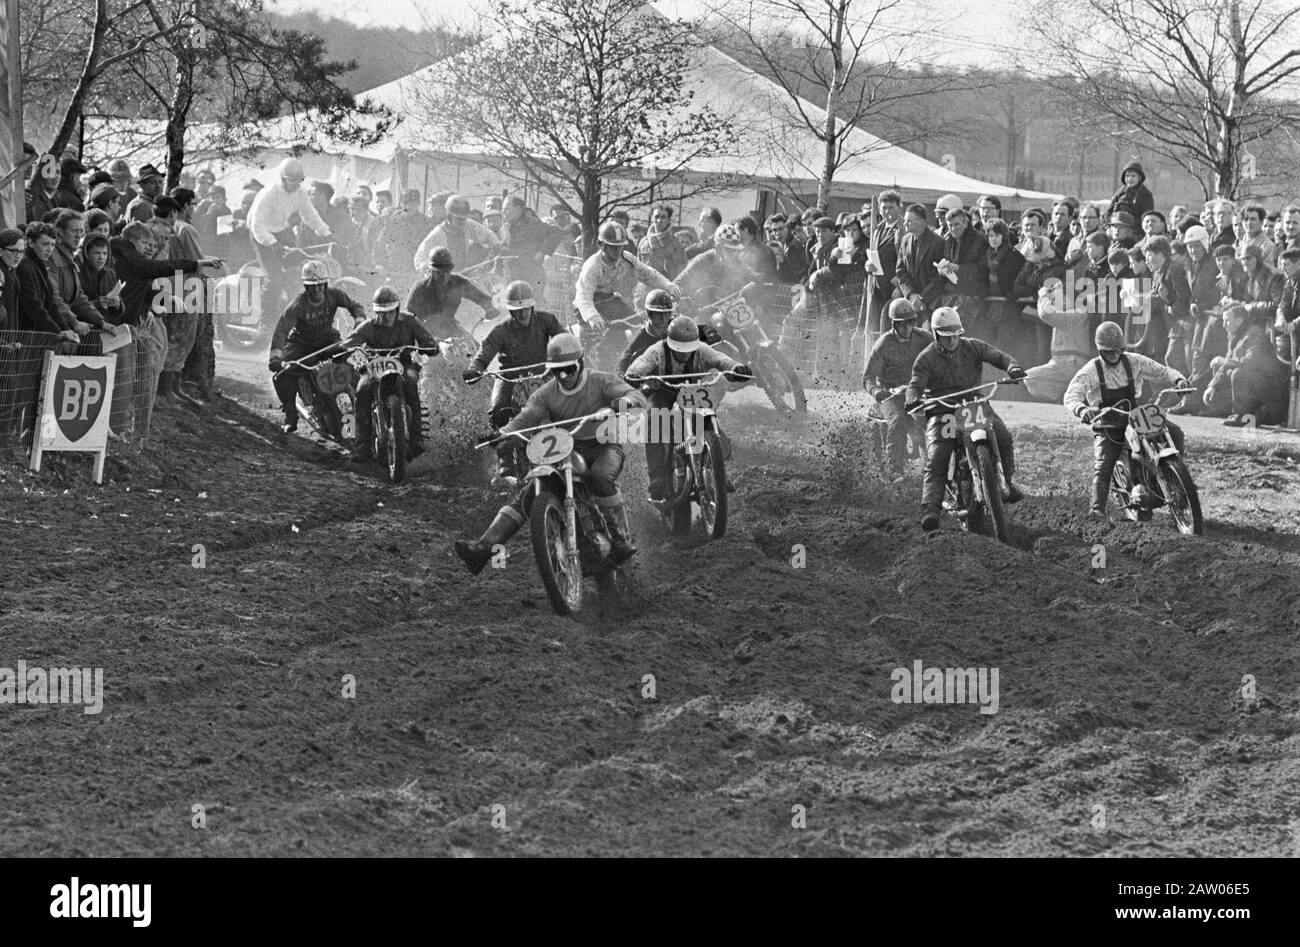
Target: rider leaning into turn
{"type": "Point", "coordinates": [306, 326]}
{"type": "Point", "coordinates": [1114, 376]}
{"type": "Point", "coordinates": [659, 311]}
{"type": "Point", "coordinates": [573, 392]}
{"type": "Point", "coordinates": [950, 364]}
{"type": "Point", "coordinates": [519, 340]}
{"type": "Point", "coordinates": [435, 299]}
{"type": "Point", "coordinates": [889, 366]}
{"type": "Point", "coordinates": [680, 353]}
{"type": "Point", "coordinates": [389, 329]}
{"type": "Point", "coordinates": [609, 277]}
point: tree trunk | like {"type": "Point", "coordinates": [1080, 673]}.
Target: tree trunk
{"type": "Point", "coordinates": [84, 81]}
{"type": "Point", "coordinates": [591, 191]}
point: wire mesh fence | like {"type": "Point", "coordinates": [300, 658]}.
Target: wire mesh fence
{"type": "Point", "coordinates": [22, 358]}
{"type": "Point", "coordinates": [817, 335]}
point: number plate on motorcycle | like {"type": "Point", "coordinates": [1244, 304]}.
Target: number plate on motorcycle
{"type": "Point", "coordinates": [972, 417]}
{"type": "Point", "coordinates": [696, 399]}
{"type": "Point", "coordinates": [550, 447]}
{"type": "Point", "coordinates": [382, 366]}
{"type": "Point", "coordinates": [1147, 419]}
{"type": "Point", "coordinates": [738, 314]}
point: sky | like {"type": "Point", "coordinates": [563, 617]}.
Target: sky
{"type": "Point", "coordinates": [976, 30]}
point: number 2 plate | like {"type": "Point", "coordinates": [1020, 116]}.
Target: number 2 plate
{"type": "Point", "coordinates": [550, 447]}
{"type": "Point", "coordinates": [1147, 419]}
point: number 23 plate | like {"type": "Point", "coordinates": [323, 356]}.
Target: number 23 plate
{"type": "Point", "coordinates": [550, 447]}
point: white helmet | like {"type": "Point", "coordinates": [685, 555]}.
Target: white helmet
{"type": "Point", "coordinates": [946, 321]}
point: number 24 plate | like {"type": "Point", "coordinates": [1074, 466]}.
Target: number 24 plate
{"type": "Point", "coordinates": [972, 417]}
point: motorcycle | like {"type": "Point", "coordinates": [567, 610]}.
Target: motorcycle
{"type": "Point", "coordinates": [569, 537]}
{"type": "Point", "coordinates": [524, 386]}
{"type": "Point", "coordinates": [700, 454]}
{"type": "Point", "coordinates": [327, 396]}
{"type": "Point", "coordinates": [246, 306]}
{"type": "Point", "coordinates": [1162, 478]}
{"type": "Point", "coordinates": [607, 345]}
{"type": "Point", "coordinates": [744, 339]}
{"type": "Point", "coordinates": [973, 491]}
{"type": "Point", "coordinates": [880, 423]}
{"type": "Point", "coordinates": [391, 417]}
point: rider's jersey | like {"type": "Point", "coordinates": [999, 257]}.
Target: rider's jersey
{"type": "Point", "coordinates": [1085, 387]}
{"type": "Point", "coordinates": [646, 338]}
{"type": "Point", "coordinates": [517, 345]}
{"type": "Point", "coordinates": [595, 390]}
{"type": "Point", "coordinates": [619, 278]}
{"type": "Point", "coordinates": [456, 239]}
{"type": "Point", "coordinates": [403, 332]}
{"type": "Point", "coordinates": [661, 360]}
{"type": "Point", "coordinates": [945, 372]}
{"type": "Point", "coordinates": [312, 324]}
{"type": "Point", "coordinates": [891, 361]}
{"type": "Point", "coordinates": [434, 305]}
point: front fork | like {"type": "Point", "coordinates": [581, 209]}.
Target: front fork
{"type": "Point", "coordinates": [571, 521]}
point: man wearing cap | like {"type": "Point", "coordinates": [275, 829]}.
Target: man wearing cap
{"type": "Point", "coordinates": [917, 278]}
{"type": "Point", "coordinates": [1286, 325]}
{"type": "Point", "coordinates": [68, 193]}
{"type": "Point", "coordinates": [268, 222]}
{"type": "Point", "coordinates": [1120, 230]}
{"type": "Point", "coordinates": [517, 341]}
{"type": "Point", "coordinates": [889, 366]}
{"type": "Point", "coordinates": [1153, 224]}
{"type": "Point", "coordinates": [941, 207]}
{"type": "Point", "coordinates": [1287, 234]}
{"type": "Point", "coordinates": [1170, 290]}
{"type": "Point", "coordinates": [389, 329]}
{"type": "Point", "coordinates": [121, 172]}
{"type": "Point", "coordinates": [141, 206]}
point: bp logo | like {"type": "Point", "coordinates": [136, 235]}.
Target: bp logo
{"type": "Point", "coordinates": [78, 398]}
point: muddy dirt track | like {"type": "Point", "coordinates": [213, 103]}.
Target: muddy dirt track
{"type": "Point", "coordinates": [1120, 687]}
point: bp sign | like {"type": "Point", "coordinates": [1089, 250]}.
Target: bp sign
{"type": "Point", "coordinates": [76, 394]}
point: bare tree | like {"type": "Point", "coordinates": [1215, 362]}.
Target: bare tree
{"type": "Point", "coordinates": [1197, 81]}
{"type": "Point", "coordinates": [577, 93]}
{"type": "Point", "coordinates": [840, 65]}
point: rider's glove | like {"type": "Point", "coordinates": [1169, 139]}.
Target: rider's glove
{"type": "Point", "coordinates": [275, 365]}
{"type": "Point", "coordinates": [596, 323]}
{"type": "Point", "coordinates": [1016, 372]}
{"type": "Point", "coordinates": [741, 373]}
{"type": "Point", "coordinates": [471, 374]}
{"type": "Point", "coordinates": [674, 291]}
{"type": "Point", "coordinates": [1181, 382]}
{"type": "Point", "coordinates": [880, 394]}
{"type": "Point", "coordinates": [1088, 415]}
{"type": "Point", "coordinates": [650, 384]}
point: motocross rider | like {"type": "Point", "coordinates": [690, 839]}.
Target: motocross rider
{"type": "Point", "coordinates": [659, 311]}
{"type": "Point", "coordinates": [306, 326]}
{"type": "Point", "coordinates": [1112, 377]}
{"type": "Point", "coordinates": [389, 329]}
{"type": "Point", "coordinates": [435, 299]}
{"type": "Point", "coordinates": [518, 340]}
{"type": "Point", "coordinates": [949, 364]}
{"type": "Point", "coordinates": [573, 392]}
{"type": "Point", "coordinates": [610, 275]}
{"type": "Point", "coordinates": [889, 366]}
{"type": "Point", "coordinates": [680, 353]}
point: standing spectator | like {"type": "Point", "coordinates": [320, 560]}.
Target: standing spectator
{"type": "Point", "coordinates": [965, 251]}
{"type": "Point", "coordinates": [1222, 212]}
{"type": "Point", "coordinates": [1287, 323]}
{"type": "Point", "coordinates": [69, 228]}
{"type": "Point", "coordinates": [1133, 196]}
{"type": "Point", "coordinates": [1252, 221]}
{"type": "Point", "coordinates": [42, 189]}
{"type": "Point", "coordinates": [785, 238]}
{"type": "Point", "coordinates": [659, 248]}
{"type": "Point", "coordinates": [105, 197]}
{"type": "Point", "coordinates": [133, 254]}
{"type": "Point", "coordinates": [151, 184]}
{"type": "Point", "coordinates": [189, 328]}
{"type": "Point", "coordinates": [1003, 263]}
{"type": "Point", "coordinates": [492, 214]}
{"type": "Point", "coordinates": [1231, 281]}
{"type": "Point", "coordinates": [98, 279]}
{"type": "Point", "coordinates": [1169, 286]}
{"type": "Point", "coordinates": [1060, 235]}
{"type": "Point", "coordinates": [915, 276]}
{"type": "Point", "coordinates": [337, 222]}
{"type": "Point", "coordinates": [710, 221]}
{"type": "Point", "coordinates": [1154, 224]}
{"type": "Point", "coordinates": [531, 240]}
{"type": "Point", "coordinates": [886, 240]}
{"type": "Point", "coordinates": [1120, 230]}
{"type": "Point", "coordinates": [359, 211]}
{"type": "Point", "coordinates": [990, 209]}
{"type": "Point", "coordinates": [1040, 266]}
{"type": "Point", "coordinates": [39, 307]}
{"type": "Point", "coordinates": [1089, 223]}
{"type": "Point", "coordinates": [12, 247]}
{"type": "Point", "coordinates": [1262, 287]}
{"type": "Point", "coordinates": [559, 217]}
{"type": "Point", "coordinates": [941, 207]}
{"type": "Point", "coordinates": [1288, 236]}
{"type": "Point", "coordinates": [122, 180]}
{"type": "Point", "coordinates": [68, 194]}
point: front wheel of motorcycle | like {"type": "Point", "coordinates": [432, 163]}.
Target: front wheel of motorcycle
{"type": "Point", "coordinates": [991, 487]}
{"type": "Point", "coordinates": [1180, 495]}
{"type": "Point", "coordinates": [1121, 489]}
{"type": "Point", "coordinates": [780, 381]}
{"type": "Point", "coordinates": [550, 549]}
{"type": "Point", "coordinates": [395, 441]}
{"type": "Point", "coordinates": [713, 487]}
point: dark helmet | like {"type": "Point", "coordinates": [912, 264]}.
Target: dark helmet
{"type": "Point", "coordinates": [457, 206]}
{"type": "Point", "coordinates": [441, 259]}
{"type": "Point", "coordinates": [519, 295]}
{"type": "Point", "coordinates": [658, 300]}
{"type": "Point", "coordinates": [386, 299]}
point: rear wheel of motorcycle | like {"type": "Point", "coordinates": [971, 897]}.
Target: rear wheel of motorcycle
{"type": "Point", "coordinates": [713, 487]}
{"type": "Point", "coordinates": [780, 382]}
{"type": "Point", "coordinates": [547, 525]}
{"type": "Point", "coordinates": [991, 482]}
{"type": "Point", "coordinates": [395, 409]}
{"type": "Point", "coordinates": [1180, 495]}
{"type": "Point", "coordinates": [1121, 489]}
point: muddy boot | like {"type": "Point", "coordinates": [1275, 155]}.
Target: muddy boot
{"type": "Point", "coordinates": [477, 554]}
{"type": "Point", "coordinates": [164, 387]}
{"type": "Point", "coordinates": [930, 521]}
{"type": "Point", "coordinates": [616, 523]}
{"type": "Point", "coordinates": [180, 393]}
